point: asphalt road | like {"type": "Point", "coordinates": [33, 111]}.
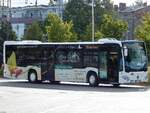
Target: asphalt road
{"type": "Point", "coordinates": [23, 97]}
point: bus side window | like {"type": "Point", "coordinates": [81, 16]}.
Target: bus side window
{"type": "Point", "coordinates": [61, 57]}
{"type": "Point", "coordinates": [74, 58]}
{"type": "Point", "coordinates": [91, 58]}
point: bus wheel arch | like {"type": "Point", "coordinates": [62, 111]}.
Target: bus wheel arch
{"type": "Point", "coordinates": [92, 78]}
{"type": "Point", "coordinates": [32, 76]}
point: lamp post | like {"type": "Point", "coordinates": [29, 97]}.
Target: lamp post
{"type": "Point", "coordinates": [92, 20]}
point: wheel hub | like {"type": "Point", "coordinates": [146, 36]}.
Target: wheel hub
{"type": "Point", "coordinates": [92, 79]}
{"type": "Point", "coordinates": [32, 77]}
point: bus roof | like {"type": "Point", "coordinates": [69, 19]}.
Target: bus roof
{"type": "Point", "coordinates": [131, 41]}
{"type": "Point", "coordinates": [34, 42]}
{"type": "Point", "coordinates": [22, 42]}
{"type": "Point", "coordinates": [101, 41]}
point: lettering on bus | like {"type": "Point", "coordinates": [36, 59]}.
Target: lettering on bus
{"type": "Point", "coordinates": [91, 47]}
{"type": "Point", "coordinates": [67, 46]}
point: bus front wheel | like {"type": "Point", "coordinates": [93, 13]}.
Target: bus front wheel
{"type": "Point", "coordinates": [92, 79]}
{"type": "Point", "coordinates": [32, 76]}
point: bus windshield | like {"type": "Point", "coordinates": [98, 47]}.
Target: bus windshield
{"type": "Point", "coordinates": [136, 60]}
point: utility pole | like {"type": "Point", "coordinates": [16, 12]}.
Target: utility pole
{"type": "Point", "coordinates": [0, 8]}
{"type": "Point", "coordinates": [93, 21]}
{"type": "Point", "coordinates": [59, 5]}
{"type": "Point", "coordinates": [26, 1]}
{"type": "Point", "coordinates": [3, 8]}
{"type": "Point", "coordinates": [36, 3]}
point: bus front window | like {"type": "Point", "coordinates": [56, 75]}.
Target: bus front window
{"type": "Point", "coordinates": [136, 60]}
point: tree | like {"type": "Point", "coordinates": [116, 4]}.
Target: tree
{"type": "Point", "coordinates": [57, 30]}
{"type": "Point", "coordinates": [6, 33]}
{"type": "Point", "coordinates": [139, 3]}
{"type": "Point", "coordinates": [51, 2]}
{"type": "Point", "coordinates": [142, 31]}
{"type": "Point", "coordinates": [79, 12]}
{"type": "Point", "coordinates": [113, 28]}
{"type": "Point", "coordinates": [88, 34]}
{"type": "Point", "coordinates": [108, 6]}
{"type": "Point", "coordinates": [34, 32]}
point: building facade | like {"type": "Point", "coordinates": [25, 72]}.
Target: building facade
{"type": "Point", "coordinates": [133, 15]}
{"type": "Point", "coordinates": [24, 16]}
{"type": "Point", "coordinates": [21, 17]}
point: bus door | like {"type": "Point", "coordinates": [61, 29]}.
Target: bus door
{"type": "Point", "coordinates": [47, 64]}
{"type": "Point", "coordinates": [108, 65]}
{"type": "Point", "coordinates": [103, 65]}
{"type": "Point", "coordinates": [113, 66]}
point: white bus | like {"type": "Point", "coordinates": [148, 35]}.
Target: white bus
{"type": "Point", "coordinates": [107, 61]}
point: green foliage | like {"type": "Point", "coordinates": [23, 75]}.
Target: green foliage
{"type": "Point", "coordinates": [51, 2]}
{"type": "Point", "coordinates": [98, 35]}
{"type": "Point", "coordinates": [142, 31]}
{"type": "Point", "coordinates": [79, 12]}
{"type": "Point", "coordinates": [110, 28]}
{"type": "Point", "coordinates": [6, 33]}
{"type": "Point", "coordinates": [57, 30]}
{"type": "Point", "coordinates": [34, 32]}
{"type": "Point", "coordinates": [108, 6]}
{"type": "Point", "coordinates": [88, 34]}
{"type": "Point", "coordinates": [113, 28]}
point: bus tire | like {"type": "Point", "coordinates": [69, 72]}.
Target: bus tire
{"type": "Point", "coordinates": [92, 79]}
{"type": "Point", "coordinates": [55, 82]}
{"type": "Point", "coordinates": [116, 85]}
{"type": "Point", "coordinates": [32, 76]}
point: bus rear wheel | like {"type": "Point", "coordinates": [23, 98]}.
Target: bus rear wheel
{"type": "Point", "coordinates": [116, 85]}
{"type": "Point", "coordinates": [32, 76]}
{"type": "Point", "coordinates": [55, 82]}
{"type": "Point", "coordinates": [92, 80]}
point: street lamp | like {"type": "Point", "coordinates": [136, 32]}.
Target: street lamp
{"type": "Point", "coordinates": [92, 20]}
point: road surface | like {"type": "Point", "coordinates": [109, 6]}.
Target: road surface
{"type": "Point", "coordinates": [23, 97]}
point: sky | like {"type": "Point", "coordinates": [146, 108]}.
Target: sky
{"type": "Point", "coordinates": [17, 3]}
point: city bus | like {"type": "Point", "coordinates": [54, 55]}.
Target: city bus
{"type": "Point", "coordinates": [107, 61]}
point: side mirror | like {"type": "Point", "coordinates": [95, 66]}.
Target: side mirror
{"type": "Point", "coordinates": [125, 50]}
